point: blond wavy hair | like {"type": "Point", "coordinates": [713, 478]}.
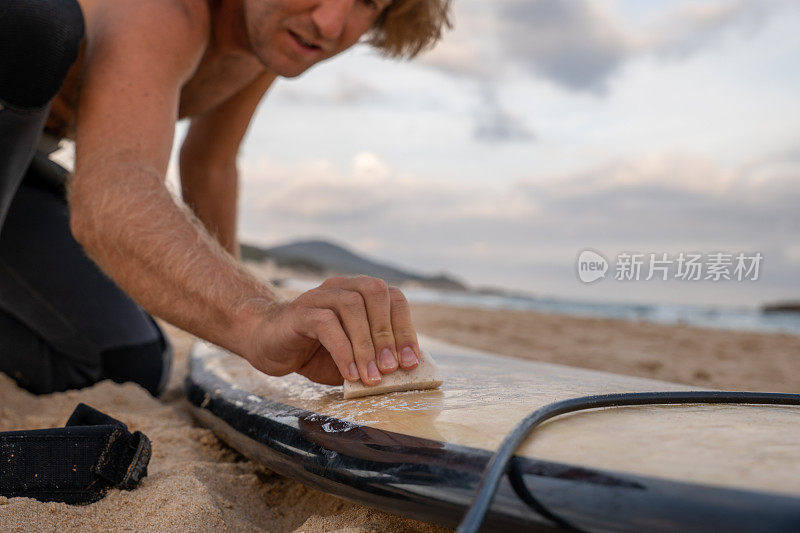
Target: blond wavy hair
{"type": "Point", "coordinates": [408, 27]}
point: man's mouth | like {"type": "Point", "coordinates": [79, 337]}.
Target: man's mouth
{"type": "Point", "coordinates": [308, 45]}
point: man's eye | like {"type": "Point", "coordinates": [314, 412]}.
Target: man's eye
{"type": "Point", "coordinates": [372, 4]}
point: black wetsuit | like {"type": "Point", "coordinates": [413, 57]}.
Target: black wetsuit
{"type": "Point", "coordinates": [63, 323]}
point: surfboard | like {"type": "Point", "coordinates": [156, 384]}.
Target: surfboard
{"type": "Point", "coordinates": [420, 454]}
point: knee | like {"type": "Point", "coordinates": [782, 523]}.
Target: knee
{"type": "Point", "coordinates": [39, 41]}
{"type": "Point", "coordinates": [147, 364]}
{"type": "Point", "coordinates": [36, 367]}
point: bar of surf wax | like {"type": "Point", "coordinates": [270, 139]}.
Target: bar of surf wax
{"type": "Point", "coordinates": [423, 376]}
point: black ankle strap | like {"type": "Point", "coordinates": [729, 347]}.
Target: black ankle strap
{"type": "Point", "coordinates": [74, 464]}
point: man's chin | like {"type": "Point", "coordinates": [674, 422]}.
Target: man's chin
{"type": "Point", "coordinates": [285, 69]}
{"type": "Point", "coordinates": [291, 73]}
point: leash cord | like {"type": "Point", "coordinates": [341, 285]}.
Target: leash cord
{"type": "Point", "coordinates": [499, 463]}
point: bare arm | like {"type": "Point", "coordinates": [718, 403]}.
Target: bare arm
{"type": "Point", "coordinates": [209, 177]}
{"type": "Point", "coordinates": [121, 212]}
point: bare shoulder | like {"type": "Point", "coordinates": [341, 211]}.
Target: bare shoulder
{"type": "Point", "coordinates": [138, 55]}
{"type": "Point", "coordinates": [177, 27]}
{"type": "Point", "coordinates": [188, 13]}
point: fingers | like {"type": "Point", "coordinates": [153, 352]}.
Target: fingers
{"type": "Point", "coordinates": [405, 336]}
{"type": "Point", "coordinates": [375, 294]}
{"type": "Point", "coordinates": [350, 310]}
{"type": "Point", "coordinates": [353, 313]}
{"type": "Point", "coordinates": [366, 326]}
{"type": "Point", "coordinates": [324, 325]}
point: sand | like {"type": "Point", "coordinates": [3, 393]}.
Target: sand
{"type": "Point", "coordinates": [195, 483]}
{"type": "Point", "coordinates": [711, 358]}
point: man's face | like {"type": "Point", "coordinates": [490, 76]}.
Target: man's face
{"type": "Point", "coordinates": [289, 36]}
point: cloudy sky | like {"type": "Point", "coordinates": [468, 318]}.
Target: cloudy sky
{"type": "Point", "coordinates": [539, 128]}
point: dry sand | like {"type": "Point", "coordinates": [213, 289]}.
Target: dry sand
{"type": "Point", "coordinates": [695, 356]}
{"type": "Point", "coordinates": [195, 483]}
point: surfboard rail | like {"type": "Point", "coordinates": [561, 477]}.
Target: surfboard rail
{"type": "Point", "coordinates": [434, 481]}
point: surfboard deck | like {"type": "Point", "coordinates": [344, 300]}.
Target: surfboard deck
{"type": "Point", "coordinates": [421, 453]}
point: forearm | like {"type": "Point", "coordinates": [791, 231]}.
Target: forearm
{"type": "Point", "coordinates": [211, 191]}
{"type": "Point", "coordinates": [164, 259]}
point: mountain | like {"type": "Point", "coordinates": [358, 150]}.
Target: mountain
{"type": "Point", "coordinates": [323, 257]}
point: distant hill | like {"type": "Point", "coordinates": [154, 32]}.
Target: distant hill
{"type": "Point", "coordinates": [323, 257]}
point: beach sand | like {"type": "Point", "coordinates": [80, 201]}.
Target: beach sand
{"type": "Point", "coordinates": [195, 483]}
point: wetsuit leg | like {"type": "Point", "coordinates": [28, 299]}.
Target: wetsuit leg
{"type": "Point", "coordinates": [19, 134]}
{"type": "Point", "coordinates": [60, 296]}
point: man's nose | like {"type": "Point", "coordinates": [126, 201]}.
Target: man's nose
{"type": "Point", "coordinates": [330, 17]}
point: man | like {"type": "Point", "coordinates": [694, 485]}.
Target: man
{"type": "Point", "coordinates": [130, 69]}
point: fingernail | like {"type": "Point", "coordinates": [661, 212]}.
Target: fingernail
{"type": "Point", "coordinates": [387, 360]}
{"type": "Point", "coordinates": [409, 358]}
{"type": "Point", "coordinates": [372, 372]}
{"type": "Point", "coordinates": [353, 372]}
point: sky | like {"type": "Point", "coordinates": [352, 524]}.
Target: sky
{"type": "Point", "coordinates": [540, 128]}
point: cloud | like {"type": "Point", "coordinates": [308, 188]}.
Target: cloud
{"type": "Point", "coordinates": [495, 124]}
{"type": "Point", "coordinates": [581, 44]}
{"type": "Point", "coordinates": [576, 44]}
{"type": "Point", "coordinates": [650, 204]}
{"type": "Point", "coordinates": [320, 193]}
{"type": "Point", "coordinates": [688, 28]}
{"type": "Point", "coordinates": [678, 198]}
{"type": "Point", "coordinates": [461, 57]}
{"type": "Point", "coordinates": [469, 49]}
{"type": "Point", "coordinates": [658, 197]}
{"type": "Point", "coordinates": [347, 90]}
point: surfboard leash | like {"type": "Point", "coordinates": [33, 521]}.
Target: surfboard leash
{"type": "Point", "coordinates": [501, 461]}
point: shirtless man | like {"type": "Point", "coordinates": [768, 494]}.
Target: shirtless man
{"type": "Point", "coordinates": [130, 70]}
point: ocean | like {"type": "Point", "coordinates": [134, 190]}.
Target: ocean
{"type": "Point", "coordinates": [732, 318]}
{"type": "Point", "coordinates": [742, 319]}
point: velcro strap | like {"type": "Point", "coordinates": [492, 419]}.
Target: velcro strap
{"type": "Point", "coordinates": [124, 461]}
{"type": "Point", "coordinates": [74, 464]}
